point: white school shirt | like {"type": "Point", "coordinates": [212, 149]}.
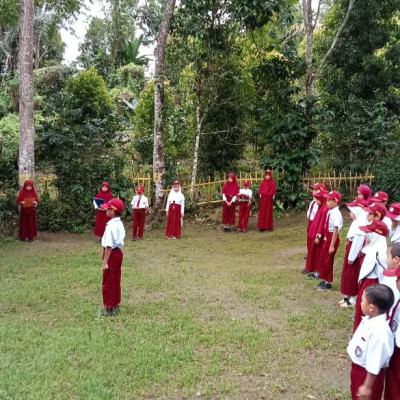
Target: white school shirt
{"type": "Point", "coordinates": [144, 202]}
{"type": "Point", "coordinates": [335, 219]}
{"type": "Point", "coordinates": [224, 198]}
{"type": "Point", "coordinates": [372, 344]}
{"type": "Point", "coordinates": [394, 234]}
{"type": "Point", "coordinates": [375, 260]}
{"type": "Point", "coordinates": [390, 281]}
{"type": "Point", "coordinates": [249, 193]}
{"type": "Point", "coordinates": [114, 234]}
{"type": "Point", "coordinates": [312, 210]}
{"type": "Point", "coordinates": [177, 198]}
{"type": "Point", "coordinates": [394, 322]}
{"type": "Point", "coordinates": [388, 222]}
{"type": "Point", "coordinates": [355, 234]}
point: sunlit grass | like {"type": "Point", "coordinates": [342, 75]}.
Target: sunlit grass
{"type": "Point", "coordinates": [213, 315]}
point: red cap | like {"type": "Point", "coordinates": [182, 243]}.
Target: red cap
{"type": "Point", "coordinates": [392, 272]}
{"type": "Point", "coordinates": [268, 172]}
{"type": "Point", "coordinates": [319, 194]}
{"type": "Point", "coordinates": [377, 208]}
{"type": "Point", "coordinates": [318, 186]}
{"type": "Point", "coordinates": [246, 182]}
{"type": "Point", "coordinates": [140, 188]}
{"type": "Point", "coordinates": [334, 195]}
{"type": "Point", "coordinates": [394, 211]}
{"type": "Point", "coordinates": [380, 196]}
{"type": "Point", "coordinates": [176, 182]}
{"type": "Point", "coordinates": [376, 226]}
{"type": "Point", "coordinates": [115, 204]}
{"type": "Point", "coordinates": [358, 202]}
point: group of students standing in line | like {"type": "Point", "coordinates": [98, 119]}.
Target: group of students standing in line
{"type": "Point", "coordinates": [370, 282]}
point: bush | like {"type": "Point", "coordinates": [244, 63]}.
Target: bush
{"type": "Point", "coordinates": [132, 77]}
{"type": "Point", "coordinates": [52, 79]}
{"type": "Point", "coordinates": [8, 214]}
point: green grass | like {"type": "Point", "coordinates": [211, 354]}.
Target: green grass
{"type": "Point", "coordinates": [210, 316]}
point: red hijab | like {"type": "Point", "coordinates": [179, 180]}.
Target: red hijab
{"type": "Point", "coordinates": [365, 191]}
{"type": "Point", "coordinates": [230, 188]}
{"type": "Point", "coordinates": [24, 193]}
{"type": "Point", "coordinates": [268, 186]}
{"type": "Point", "coordinates": [106, 196]}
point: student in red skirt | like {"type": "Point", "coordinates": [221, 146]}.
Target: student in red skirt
{"type": "Point", "coordinates": [27, 200]}
{"type": "Point", "coordinates": [245, 195]}
{"type": "Point", "coordinates": [316, 212]}
{"type": "Point", "coordinates": [112, 242]}
{"type": "Point", "coordinates": [267, 192]}
{"type": "Point", "coordinates": [330, 239]}
{"type": "Point", "coordinates": [375, 260]}
{"type": "Point", "coordinates": [353, 256]}
{"type": "Point", "coordinates": [229, 193]}
{"type": "Point", "coordinates": [372, 345]}
{"type": "Point", "coordinates": [392, 378]}
{"type": "Point", "coordinates": [105, 195]}
{"type": "Point", "coordinates": [175, 210]}
{"type": "Point", "coordinates": [140, 204]}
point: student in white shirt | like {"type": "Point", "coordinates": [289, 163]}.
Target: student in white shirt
{"type": "Point", "coordinates": [112, 242]}
{"type": "Point", "coordinates": [245, 195]}
{"type": "Point", "coordinates": [175, 210]}
{"type": "Point", "coordinates": [140, 204]}
{"type": "Point", "coordinates": [372, 344]}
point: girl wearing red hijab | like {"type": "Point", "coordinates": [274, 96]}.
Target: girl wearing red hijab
{"type": "Point", "coordinates": [28, 200]}
{"type": "Point", "coordinates": [101, 217]}
{"type": "Point", "coordinates": [364, 192]}
{"type": "Point", "coordinates": [229, 192]}
{"type": "Point", "coordinates": [267, 191]}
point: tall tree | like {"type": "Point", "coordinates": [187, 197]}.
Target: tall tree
{"type": "Point", "coordinates": [158, 150]}
{"type": "Point", "coordinates": [26, 105]}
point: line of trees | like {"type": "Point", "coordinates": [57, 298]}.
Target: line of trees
{"type": "Point", "coordinates": [237, 84]}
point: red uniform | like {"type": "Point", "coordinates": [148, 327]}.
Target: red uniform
{"type": "Point", "coordinates": [101, 216]}
{"type": "Point", "coordinates": [229, 193]}
{"type": "Point", "coordinates": [139, 205]}
{"type": "Point", "coordinates": [267, 191]}
{"type": "Point", "coordinates": [27, 218]}
{"type": "Point", "coordinates": [175, 210]}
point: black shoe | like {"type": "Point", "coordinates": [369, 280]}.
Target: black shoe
{"type": "Point", "coordinates": [23, 239]}
{"type": "Point", "coordinates": [117, 309]}
{"type": "Point", "coordinates": [304, 271]}
{"type": "Point", "coordinates": [244, 231]}
{"type": "Point", "coordinates": [312, 275]}
{"type": "Point", "coordinates": [323, 285]}
{"type": "Point", "coordinates": [107, 312]}
{"type": "Point", "coordinates": [30, 239]}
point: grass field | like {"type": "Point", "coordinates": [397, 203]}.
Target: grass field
{"type": "Point", "coordinates": [211, 316]}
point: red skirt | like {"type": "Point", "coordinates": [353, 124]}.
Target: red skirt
{"type": "Point", "coordinates": [392, 386]}
{"type": "Point", "coordinates": [350, 273]}
{"type": "Point", "coordinates": [244, 213]}
{"type": "Point", "coordinates": [27, 223]}
{"type": "Point", "coordinates": [327, 260]}
{"type": "Point", "coordinates": [174, 225]}
{"type": "Point", "coordinates": [266, 213]}
{"type": "Point", "coordinates": [100, 223]}
{"type": "Point", "coordinates": [359, 314]}
{"type": "Point", "coordinates": [313, 255]}
{"type": "Point", "coordinates": [228, 214]}
{"type": "Point", "coordinates": [111, 286]}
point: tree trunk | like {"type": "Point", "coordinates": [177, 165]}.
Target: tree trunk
{"type": "Point", "coordinates": [26, 121]}
{"type": "Point", "coordinates": [309, 27]}
{"type": "Point", "coordinates": [199, 121]}
{"type": "Point", "coordinates": [158, 149]}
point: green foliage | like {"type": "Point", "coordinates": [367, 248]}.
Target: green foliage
{"type": "Point", "coordinates": [88, 95]}
{"type": "Point", "coordinates": [50, 80]}
{"type": "Point", "coordinates": [8, 211]}
{"type": "Point", "coordinates": [132, 77]}
{"type": "Point", "coordinates": [9, 136]}
{"type": "Point", "coordinates": [130, 53]}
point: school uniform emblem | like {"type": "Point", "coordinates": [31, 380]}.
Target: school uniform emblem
{"type": "Point", "coordinates": [394, 326]}
{"type": "Point", "coordinates": [358, 352]}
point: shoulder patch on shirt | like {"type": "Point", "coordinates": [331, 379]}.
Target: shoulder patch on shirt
{"type": "Point", "coordinates": [394, 326]}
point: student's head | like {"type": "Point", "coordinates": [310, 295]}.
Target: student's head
{"type": "Point", "coordinates": [377, 299]}
{"type": "Point", "coordinates": [28, 185]}
{"type": "Point", "coordinates": [364, 192]}
{"type": "Point", "coordinates": [381, 196]}
{"type": "Point", "coordinates": [393, 255]}
{"type": "Point", "coordinates": [231, 177]}
{"type": "Point", "coordinates": [318, 186]}
{"type": "Point", "coordinates": [377, 227]}
{"type": "Point", "coordinates": [333, 199]}
{"type": "Point", "coordinates": [376, 211]}
{"type": "Point", "coordinates": [319, 196]}
{"type": "Point", "coordinates": [394, 214]}
{"type": "Point", "coordinates": [105, 187]}
{"type": "Point", "coordinates": [176, 185]}
{"type": "Point", "coordinates": [113, 208]}
{"type": "Point", "coordinates": [140, 189]}
{"type": "Point", "coordinates": [268, 174]}
{"type": "Point", "coordinates": [394, 272]}
{"type": "Point", "coordinates": [246, 183]}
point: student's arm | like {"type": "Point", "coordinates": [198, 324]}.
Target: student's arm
{"type": "Point", "coordinates": [365, 390]}
{"type": "Point", "coordinates": [107, 253]}
{"type": "Point", "coordinates": [333, 241]}
{"type": "Point", "coordinates": [183, 206]}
